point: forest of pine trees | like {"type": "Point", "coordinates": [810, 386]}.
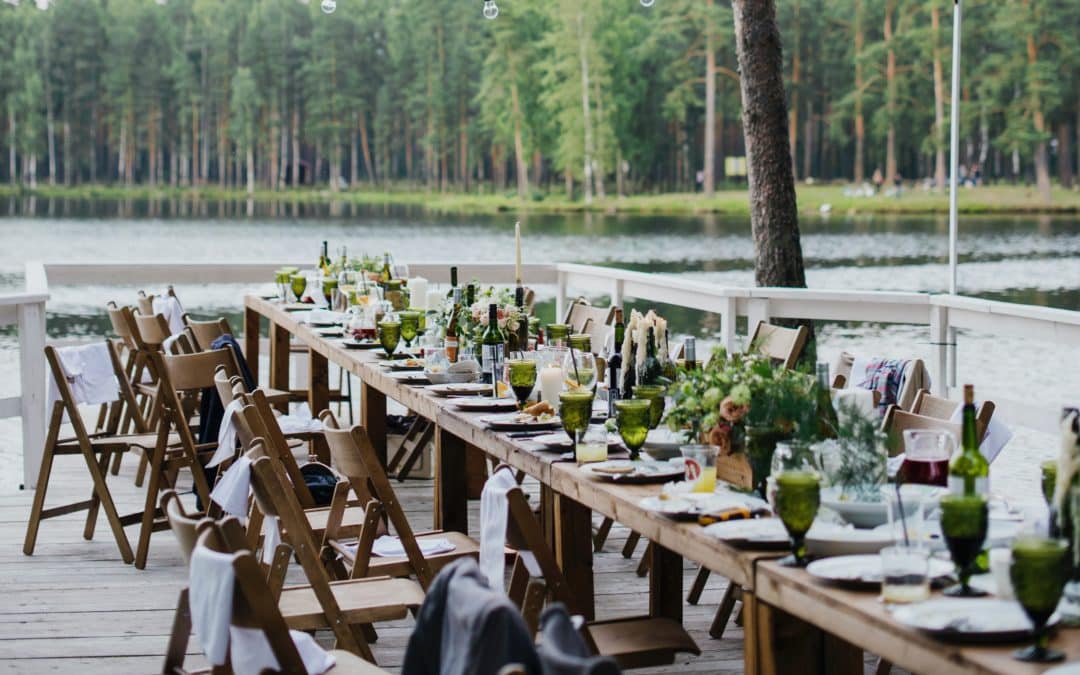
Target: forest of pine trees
{"type": "Point", "coordinates": [596, 96]}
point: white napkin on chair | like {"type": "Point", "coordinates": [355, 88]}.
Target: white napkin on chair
{"type": "Point", "coordinates": [387, 546]}
{"type": "Point", "coordinates": [90, 374]}
{"type": "Point", "coordinates": [861, 399]}
{"type": "Point", "coordinates": [251, 653]}
{"type": "Point", "coordinates": [997, 434]}
{"type": "Point", "coordinates": [493, 516]}
{"type": "Point", "coordinates": [210, 583]}
{"type": "Point", "coordinates": [169, 307]}
{"type": "Point", "coordinates": [232, 489]}
{"type": "Point", "coordinates": [271, 532]}
{"type": "Point", "coordinates": [226, 434]}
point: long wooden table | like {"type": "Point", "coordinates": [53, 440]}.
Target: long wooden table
{"type": "Point", "coordinates": [792, 623]}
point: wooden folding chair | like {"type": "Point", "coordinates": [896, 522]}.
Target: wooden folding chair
{"type": "Point", "coordinates": [783, 345]}
{"type": "Point", "coordinates": [897, 420]}
{"type": "Point", "coordinates": [96, 449]}
{"type": "Point", "coordinates": [413, 443]}
{"type": "Point", "coordinates": [345, 607]}
{"type": "Point", "coordinates": [928, 405]}
{"type": "Point", "coordinates": [254, 607]}
{"type": "Point", "coordinates": [260, 421]}
{"type": "Point", "coordinates": [585, 318]}
{"type": "Point", "coordinates": [916, 378]}
{"type": "Point", "coordinates": [180, 379]}
{"type": "Point", "coordinates": [635, 642]}
{"type": "Point", "coordinates": [354, 457]}
{"type": "Point", "coordinates": [205, 332]}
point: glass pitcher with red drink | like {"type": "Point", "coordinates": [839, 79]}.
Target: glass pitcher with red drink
{"type": "Point", "coordinates": [926, 456]}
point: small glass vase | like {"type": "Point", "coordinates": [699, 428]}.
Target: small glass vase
{"type": "Point", "coordinates": [759, 443]}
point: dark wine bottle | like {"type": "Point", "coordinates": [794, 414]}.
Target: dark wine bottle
{"type": "Point", "coordinates": [492, 344]}
{"type": "Point", "coordinates": [615, 364]}
{"type": "Point", "coordinates": [690, 354]}
{"type": "Point", "coordinates": [969, 472]}
{"type": "Point", "coordinates": [828, 423]}
{"type": "Point", "coordinates": [652, 371]}
{"type": "Point", "coordinates": [452, 341]}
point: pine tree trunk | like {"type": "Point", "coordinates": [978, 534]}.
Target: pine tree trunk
{"type": "Point", "coordinates": [272, 145]}
{"type": "Point", "coordinates": [793, 112]}
{"type": "Point", "coordinates": [250, 168]}
{"type": "Point", "coordinates": [1041, 156]}
{"type": "Point", "coordinates": [519, 142]}
{"type": "Point", "coordinates": [365, 148]}
{"type": "Point", "coordinates": [1064, 156]}
{"type": "Point", "coordinates": [890, 94]}
{"type": "Point", "coordinates": [354, 158]}
{"type": "Point", "coordinates": [859, 169]}
{"type": "Point", "coordinates": [69, 160]}
{"type": "Point", "coordinates": [222, 149]}
{"type": "Point", "coordinates": [710, 109]}
{"type": "Point", "coordinates": [939, 101]}
{"type": "Point", "coordinates": [774, 215]}
{"type": "Point", "coordinates": [588, 150]}
{"type": "Point", "coordinates": [31, 170]}
{"type": "Point", "coordinates": [195, 178]}
{"type": "Point", "coordinates": [13, 160]}
{"type": "Point", "coordinates": [463, 146]}
{"type": "Point", "coordinates": [808, 140]}
{"type": "Point", "coordinates": [50, 130]}
{"type": "Point", "coordinates": [296, 145]}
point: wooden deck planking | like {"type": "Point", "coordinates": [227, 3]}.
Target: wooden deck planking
{"type": "Point", "coordinates": [75, 607]}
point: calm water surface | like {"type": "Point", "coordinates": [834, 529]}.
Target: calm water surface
{"type": "Point", "coordinates": [1027, 259]}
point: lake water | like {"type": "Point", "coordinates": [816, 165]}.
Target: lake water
{"type": "Point", "coordinates": [1027, 259]}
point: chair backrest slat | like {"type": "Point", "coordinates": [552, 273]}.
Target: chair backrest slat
{"type": "Point", "coordinates": [205, 332]}
{"type": "Point", "coordinates": [153, 329]}
{"type": "Point", "coordinates": [784, 345]}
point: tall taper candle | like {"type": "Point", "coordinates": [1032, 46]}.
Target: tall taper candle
{"type": "Point", "coordinates": [517, 246]}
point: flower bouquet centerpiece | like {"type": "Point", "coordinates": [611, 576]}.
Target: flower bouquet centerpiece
{"type": "Point", "coordinates": [474, 319]}
{"type": "Point", "coordinates": [744, 404]}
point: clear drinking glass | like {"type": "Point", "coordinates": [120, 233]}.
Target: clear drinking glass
{"type": "Point", "coordinates": [592, 446]}
{"type": "Point", "coordinates": [699, 463]}
{"type": "Point", "coordinates": [905, 574]}
{"type": "Point", "coordinates": [580, 370]}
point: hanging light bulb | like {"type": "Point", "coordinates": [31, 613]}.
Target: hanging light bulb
{"type": "Point", "coordinates": [328, 6]}
{"type": "Point", "coordinates": [648, 3]}
{"type": "Point", "coordinates": [491, 10]}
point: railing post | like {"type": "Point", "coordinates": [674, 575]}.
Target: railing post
{"type": "Point", "coordinates": [758, 311]}
{"type": "Point", "coordinates": [939, 338]}
{"type": "Point", "coordinates": [617, 292]}
{"type": "Point", "coordinates": [32, 398]}
{"type": "Point", "coordinates": [727, 323]}
{"type": "Point", "coordinates": [560, 295]}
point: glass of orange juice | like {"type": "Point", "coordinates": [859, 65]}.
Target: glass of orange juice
{"type": "Point", "coordinates": [699, 462]}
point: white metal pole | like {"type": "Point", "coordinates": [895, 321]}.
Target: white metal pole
{"type": "Point", "coordinates": [954, 143]}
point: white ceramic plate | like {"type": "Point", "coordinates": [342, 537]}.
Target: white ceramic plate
{"type": "Point", "coordinates": [757, 533]}
{"type": "Point", "coordinates": [690, 505]}
{"type": "Point", "coordinates": [477, 403]}
{"type": "Point", "coordinates": [968, 619]}
{"type": "Point", "coordinates": [460, 389]}
{"type": "Point", "coordinates": [827, 539]}
{"type": "Point", "coordinates": [627, 471]}
{"type": "Point", "coordinates": [1067, 669]}
{"type": "Point", "coordinates": [409, 377]}
{"type": "Point", "coordinates": [512, 422]}
{"type": "Point", "coordinates": [864, 571]}
{"type": "Point", "coordinates": [407, 364]}
{"type": "Point", "coordinates": [332, 331]}
{"type": "Point", "coordinates": [350, 343]}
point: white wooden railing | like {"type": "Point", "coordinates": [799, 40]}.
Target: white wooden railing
{"type": "Point", "coordinates": [941, 314]}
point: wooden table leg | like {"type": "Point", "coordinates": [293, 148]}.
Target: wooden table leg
{"type": "Point", "coordinates": [787, 644]}
{"type": "Point", "coordinates": [373, 417]}
{"type": "Point", "coordinates": [573, 553]}
{"type": "Point", "coordinates": [251, 341]}
{"type": "Point", "coordinates": [751, 647]}
{"type": "Point", "coordinates": [665, 583]}
{"type": "Point", "coordinates": [451, 500]}
{"type": "Point", "coordinates": [279, 362]}
{"type": "Point", "coordinates": [319, 398]}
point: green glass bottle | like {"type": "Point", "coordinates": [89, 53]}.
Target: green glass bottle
{"type": "Point", "coordinates": [969, 472]}
{"type": "Point", "coordinates": [828, 424]}
{"type": "Point", "coordinates": [652, 371]}
{"type": "Point", "coordinates": [492, 350]}
{"type": "Point", "coordinates": [386, 275]}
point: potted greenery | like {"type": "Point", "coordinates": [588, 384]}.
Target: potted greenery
{"type": "Point", "coordinates": [744, 404]}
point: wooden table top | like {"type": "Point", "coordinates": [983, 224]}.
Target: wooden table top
{"type": "Point", "coordinates": [861, 619]}
{"type": "Point", "coordinates": [620, 502]}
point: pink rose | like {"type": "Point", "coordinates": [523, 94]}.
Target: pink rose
{"type": "Point", "coordinates": [731, 411]}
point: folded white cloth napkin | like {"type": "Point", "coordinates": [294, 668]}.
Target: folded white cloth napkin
{"type": "Point", "coordinates": [271, 532]}
{"type": "Point", "coordinates": [997, 434]}
{"type": "Point", "coordinates": [89, 372]}
{"type": "Point", "coordinates": [251, 653]}
{"type": "Point", "coordinates": [493, 516]}
{"type": "Point", "coordinates": [169, 307]}
{"type": "Point", "coordinates": [226, 434]}
{"type": "Point", "coordinates": [231, 491]}
{"type": "Point", "coordinates": [295, 424]}
{"type": "Point", "coordinates": [387, 546]}
{"type": "Point", "coordinates": [212, 582]}
{"type": "Point", "coordinates": [210, 592]}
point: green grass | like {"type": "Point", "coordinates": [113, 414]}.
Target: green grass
{"type": "Point", "coordinates": [996, 199]}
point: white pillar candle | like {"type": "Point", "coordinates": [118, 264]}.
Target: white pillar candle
{"type": "Point", "coordinates": [418, 289]}
{"type": "Point", "coordinates": [434, 300]}
{"type": "Point", "coordinates": [551, 383]}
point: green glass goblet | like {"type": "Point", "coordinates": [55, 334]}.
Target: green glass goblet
{"type": "Point", "coordinates": [410, 326]}
{"type": "Point", "coordinates": [1038, 573]}
{"type": "Point", "coordinates": [389, 336]}
{"type": "Point", "coordinates": [632, 416]}
{"type": "Point", "coordinates": [522, 378]}
{"type": "Point", "coordinates": [575, 409]}
{"type": "Point", "coordinates": [582, 342]}
{"type": "Point", "coordinates": [964, 522]}
{"type": "Point", "coordinates": [798, 496]}
{"type": "Point", "coordinates": [1049, 479]}
{"type": "Point", "coordinates": [328, 288]}
{"type": "Point", "coordinates": [654, 393]}
{"type": "Point", "coordinates": [298, 284]}
{"type": "Point", "coordinates": [557, 333]}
